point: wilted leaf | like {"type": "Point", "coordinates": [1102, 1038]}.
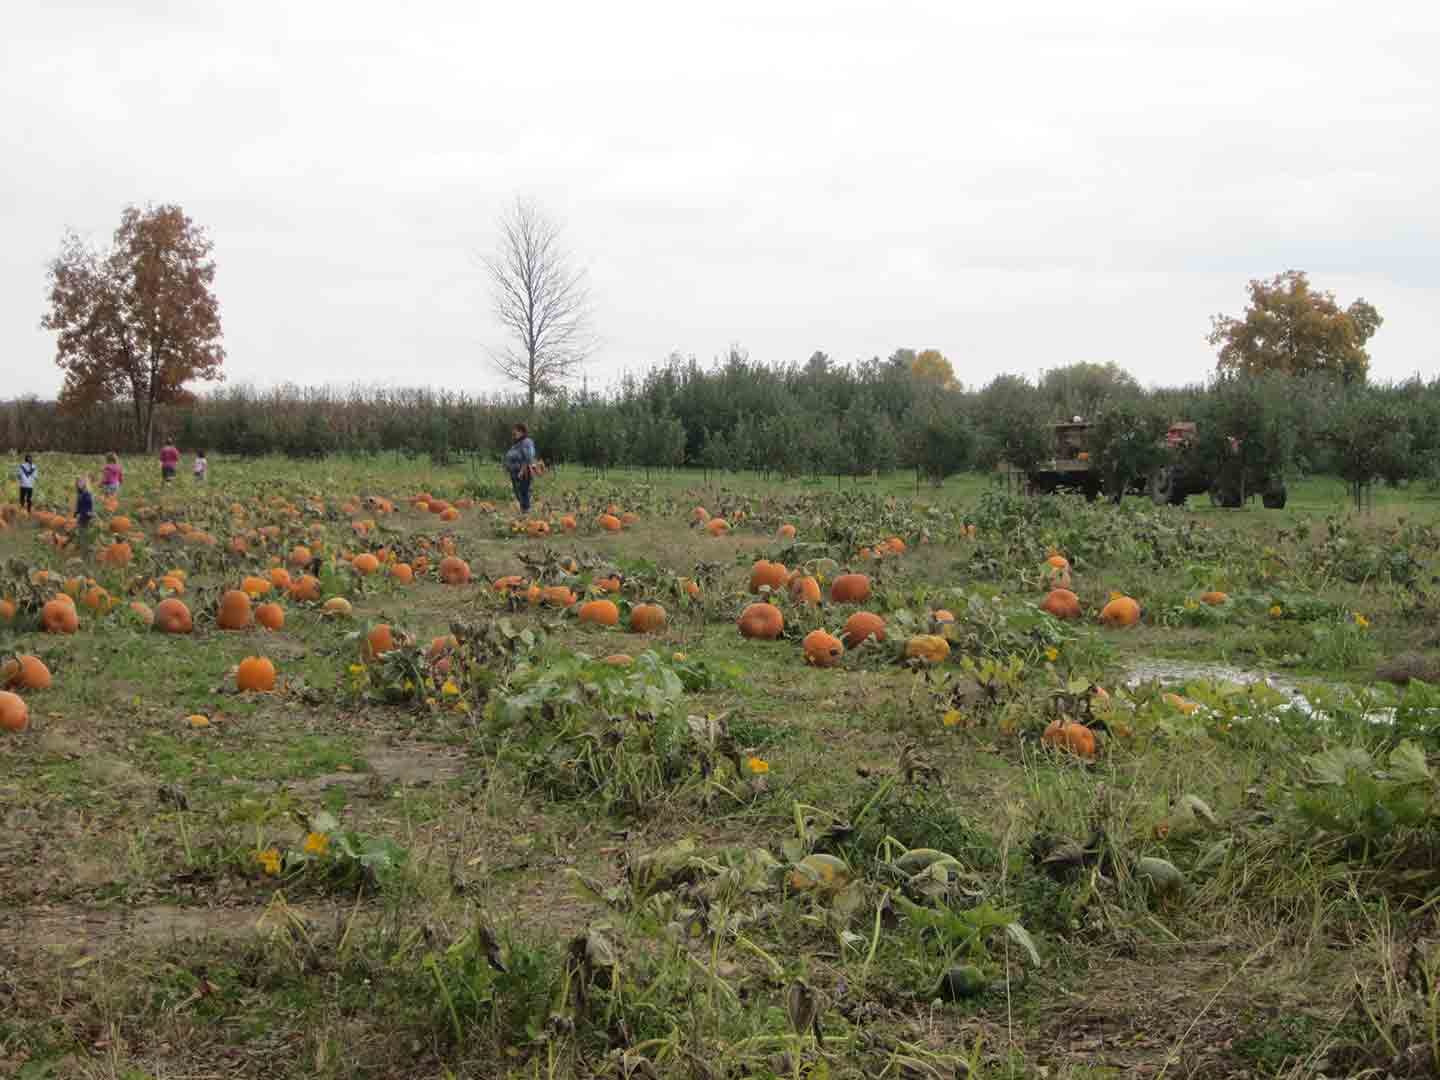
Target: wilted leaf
{"type": "Point", "coordinates": [1018, 934]}
{"type": "Point", "coordinates": [1408, 764]}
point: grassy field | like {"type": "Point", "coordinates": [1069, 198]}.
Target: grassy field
{"type": "Point", "coordinates": [497, 854]}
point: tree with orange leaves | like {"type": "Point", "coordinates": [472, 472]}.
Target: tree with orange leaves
{"type": "Point", "coordinates": [140, 320]}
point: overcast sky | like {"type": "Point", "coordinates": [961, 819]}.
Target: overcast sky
{"type": "Point", "coordinates": [1018, 188]}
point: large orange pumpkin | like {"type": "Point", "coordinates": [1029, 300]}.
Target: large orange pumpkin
{"type": "Point", "coordinates": [1061, 603]}
{"type": "Point", "coordinates": [647, 618]}
{"type": "Point", "coordinates": [59, 616]}
{"type": "Point", "coordinates": [120, 525]}
{"type": "Point", "coordinates": [14, 713]}
{"type": "Point", "coordinates": [608, 522]}
{"type": "Point", "coordinates": [767, 574]}
{"type": "Point", "coordinates": [822, 649]}
{"type": "Point", "coordinates": [862, 625]}
{"type": "Point", "coordinates": [234, 613]}
{"type": "Point", "coordinates": [270, 616]}
{"type": "Point", "coordinates": [1064, 735]}
{"type": "Point", "coordinates": [25, 673]}
{"type": "Point", "coordinates": [762, 621]}
{"type": "Point", "coordinates": [600, 612]}
{"type": "Point", "coordinates": [365, 563]}
{"type": "Point", "coordinates": [454, 570]}
{"type": "Point", "coordinates": [404, 573]}
{"type": "Point", "coordinates": [850, 589]}
{"type": "Point", "coordinates": [173, 617]}
{"type": "Point", "coordinates": [256, 674]}
{"type": "Point", "coordinates": [1122, 611]}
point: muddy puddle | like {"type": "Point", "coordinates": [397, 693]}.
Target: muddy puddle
{"type": "Point", "coordinates": [1180, 672]}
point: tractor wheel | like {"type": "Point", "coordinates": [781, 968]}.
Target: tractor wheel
{"type": "Point", "coordinates": [1226, 497]}
{"type": "Point", "coordinates": [1166, 489]}
{"type": "Point", "coordinates": [1275, 496]}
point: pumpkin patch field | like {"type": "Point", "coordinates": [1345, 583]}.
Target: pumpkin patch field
{"type": "Point", "coordinates": [348, 769]}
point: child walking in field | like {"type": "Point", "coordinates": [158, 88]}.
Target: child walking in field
{"type": "Point", "coordinates": [202, 467]}
{"type": "Point", "coordinates": [112, 476]}
{"type": "Point", "coordinates": [84, 503]}
{"type": "Point", "coordinates": [169, 461]}
{"type": "Point", "coordinates": [28, 472]}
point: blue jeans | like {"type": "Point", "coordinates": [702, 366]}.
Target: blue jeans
{"type": "Point", "coordinates": [521, 486]}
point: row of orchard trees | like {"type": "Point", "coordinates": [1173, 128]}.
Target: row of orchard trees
{"type": "Point", "coordinates": [818, 418]}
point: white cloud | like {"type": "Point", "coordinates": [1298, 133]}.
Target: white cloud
{"type": "Point", "coordinates": [1017, 188]}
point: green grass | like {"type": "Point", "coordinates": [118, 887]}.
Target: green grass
{"type": "Point", "coordinates": [132, 837]}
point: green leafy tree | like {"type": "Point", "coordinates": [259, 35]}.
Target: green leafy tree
{"type": "Point", "coordinates": [1014, 424]}
{"type": "Point", "coordinates": [1369, 437]}
{"type": "Point", "coordinates": [1296, 330]}
{"type": "Point", "coordinates": [1246, 433]}
{"type": "Point", "coordinates": [1083, 389]}
{"type": "Point", "coordinates": [1127, 443]}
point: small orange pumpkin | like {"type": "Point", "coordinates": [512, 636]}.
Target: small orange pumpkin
{"type": "Point", "coordinates": [234, 611]}
{"type": "Point", "coordinates": [822, 649]}
{"type": "Point", "coordinates": [862, 625]}
{"type": "Point", "coordinates": [767, 574]}
{"type": "Point", "coordinates": [1065, 735]}
{"type": "Point", "coordinates": [173, 617]}
{"type": "Point", "coordinates": [850, 589]}
{"type": "Point", "coordinates": [454, 571]}
{"type": "Point", "coordinates": [271, 616]}
{"type": "Point", "coordinates": [647, 618]}
{"type": "Point", "coordinates": [1061, 603]}
{"type": "Point", "coordinates": [14, 713]}
{"type": "Point", "coordinates": [1120, 612]}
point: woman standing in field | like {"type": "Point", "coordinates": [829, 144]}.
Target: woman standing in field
{"type": "Point", "coordinates": [112, 476]}
{"type": "Point", "coordinates": [169, 461]}
{"type": "Point", "coordinates": [520, 464]}
{"type": "Point", "coordinates": [28, 472]}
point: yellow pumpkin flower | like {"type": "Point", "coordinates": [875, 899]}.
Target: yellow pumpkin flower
{"type": "Point", "coordinates": [1052, 654]}
{"type": "Point", "coordinates": [357, 669]}
{"type": "Point", "coordinates": [317, 843]}
{"type": "Point", "coordinates": [758, 765]}
{"type": "Point", "coordinates": [1361, 621]}
{"type": "Point", "coordinates": [450, 689]}
{"type": "Point", "coordinates": [952, 718]}
{"type": "Point", "coordinates": [269, 860]}
{"type": "Point", "coordinates": [1276, 611]}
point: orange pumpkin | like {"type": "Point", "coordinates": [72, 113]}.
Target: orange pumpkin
{"type": "Point", "coordinates": [1058, 561]}
{"type": "Point", "coordinates": [762, 621]}
{"type": "Point", "coordinates": [173, 617]}
{"type": "Point", "coordinates": [557, 596]}
{"type": "Point", "coordinates": [280, 577]}
{"type": "Point", "coordinates": [234, 611]}
{"type": "Point", "coordinates": [255, 586]}
{"type": "Point", "coordinates": [305, 589]}
{"type": "Point", "coordinates": [365, 563]}
{"type": "Point", "coordinates": [700, 515]}
{"type": "Point", "coordinates": [928, 647]}
{"type": "Point", "coordinates": [59, 616]}
{"type": "Point", "coordinates": [850, 589]}
{"type": "Point", "coordinates": [1061, 603]}
{"type": "Point", "coordinates": [454, 571]}
{"type": "Point", "coordinates": [600, 612]}
{"type": "Point", "coordinates": [1120, 612]}
{"type": "Point", "coordinates": [567, 522]}
{"type": "Point", "coordinates": [717, 526]}
{"type": "Point", "coordinates": [1064, 735]}
{"type": "Point", "coordinates": [14, 713]}
{"type": "Point", "coordinates": [25, 673]}
{"type": "Point", "coordinates": [378, 641]}
{"type": "Point", "coordinates": [120, 525]}
{"type": "Point", "coordinates": [608, 522]}
{"type": "Point", "coordinates": [862, 625]}
{"type": "Point", "coordinates": [822, 649]}
{"type": "Point", "coordinates": [300, 555]}
{"type": "Point", "coordinates": [404, 573]}
{"type": "Point", "coordinates": [647, 618]}
{"type": "Point", "coordinates": [619, 659]}
{"type": "Point", "coordinates": [767, 574]}
{"type": "Point", "coordinates": [805, 590]}
{"type": "Point", "coordinates": [1215, 596]}
{"type": "Point", "coordinates": [609, 584]}
{"type": "Point", "coordinates": [117, 554]}
{"type": "Point", "coordinates": [256, 674]}
{"type": "Point", "coordinates": [271, 616]}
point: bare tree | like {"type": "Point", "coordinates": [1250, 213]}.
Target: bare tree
{"type": "Point", "coordinates": [541, 300]}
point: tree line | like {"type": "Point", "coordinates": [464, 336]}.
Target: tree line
{"type": "Point", "coordinates": [818, 418]}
